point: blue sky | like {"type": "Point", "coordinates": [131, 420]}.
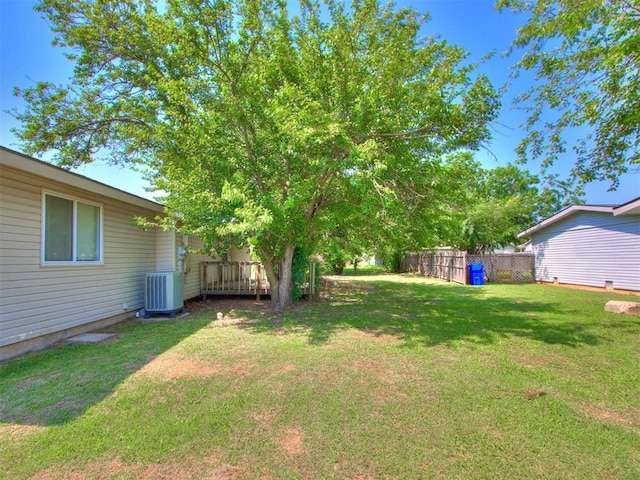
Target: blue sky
{"type": "Point", "coordinates": [26, 57]}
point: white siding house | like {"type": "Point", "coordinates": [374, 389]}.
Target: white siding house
{"type": "Point", "coordinates": [596, 246]}
{"type": "Point", "coordinates": [70, 258]}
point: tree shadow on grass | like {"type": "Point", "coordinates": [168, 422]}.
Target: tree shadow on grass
{"type": "Point", "coordinates": [420, 314]}
{"type": "Point", "coordinates": [56, 385]}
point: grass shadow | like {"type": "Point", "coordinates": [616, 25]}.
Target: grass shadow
{"type": "Point", "coordinates": [59, 384]}
{"type": "Point", "coordinates": [56, 385]}
{"type": "Point", "coordinates": [432, 313]}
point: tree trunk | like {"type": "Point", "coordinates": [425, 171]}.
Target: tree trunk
{"type": "Point", "coordinates": [285, 287]}
{"type": "Point", "coordinates": [281, 280]}
{"type": "Point", "coordinates": [274, 283]}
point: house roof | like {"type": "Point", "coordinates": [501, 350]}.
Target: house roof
{"type": "Point", "coordinates": [629, 208]}
{"type": "Point", "coordinates": [25, 163]}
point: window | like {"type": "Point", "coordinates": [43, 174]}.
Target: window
{"type": "Point", "coordinates": [72, 231]}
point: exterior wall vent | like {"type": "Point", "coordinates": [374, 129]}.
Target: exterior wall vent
{"type": "Point", "coordinates": [163, 293]}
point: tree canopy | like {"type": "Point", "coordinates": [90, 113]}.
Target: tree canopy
{"type": "Point", "coordinates": [586, 57]}
{"type": "Point", "coordinates": [504, 201]}
{"type": "Point", "coordinates": [263, 127]}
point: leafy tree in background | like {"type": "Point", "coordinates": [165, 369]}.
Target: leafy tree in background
{"type": "Point", "coordinates": [427, 221]}
{"type": "Point", "coordinates": [262, 127]}
{"type": "Point", "coordinates": [337, 250]}
{"type": "Point", "coordinates": [504, 201]}
{"type": "Point", "coordinates": [557, 195]}
{"type": "Point", "coordinates": [424, 211]}
{"type": "Point", "coordinates": [586, 55]}
{"type": "Point", "coordinates": [492, 223]}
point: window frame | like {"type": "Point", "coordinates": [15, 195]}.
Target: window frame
{"type": "Point", "coordinates": [74, 232]}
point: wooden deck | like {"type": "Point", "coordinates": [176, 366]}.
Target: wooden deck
{"type": "Point", "coordinates": [241, 278]}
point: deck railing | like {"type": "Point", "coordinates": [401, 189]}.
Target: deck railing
{"type": "Point", "coordinates": [242, 278]}
{"type": "Point", "coordinates": [233, 278]}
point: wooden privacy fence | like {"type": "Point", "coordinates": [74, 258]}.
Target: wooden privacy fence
{"type": "Point", "coordinates": [446, 264]}
{"type": "Point", "coordinates": [451, 265]}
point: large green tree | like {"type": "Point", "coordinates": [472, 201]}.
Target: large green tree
{"type": "Point", "coordinates": [425, 211]}
{"type": "Point", "coordinates": [503, 201]}
{"type": "Point", "coordinates": [263, 126]}
{"type": "Point", "coordinates": [586, 59]}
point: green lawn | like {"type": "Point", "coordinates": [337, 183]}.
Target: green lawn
{"type": "Point", "coordinates": [387, 377]}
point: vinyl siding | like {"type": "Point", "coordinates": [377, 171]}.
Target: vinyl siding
{"type": "Point", "coordinates": [239, 255]}
{"type": "Point", "coordinates": [166, 251]}
{"type": "Point", "coordinates": [193, 260]}
{"type": "Point", "coordinates": [590, 248]}
{"type": "Point", "coordinates": [36, 300]}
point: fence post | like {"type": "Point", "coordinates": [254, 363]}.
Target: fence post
{"type": "Point", "coordinates": [464, 267]}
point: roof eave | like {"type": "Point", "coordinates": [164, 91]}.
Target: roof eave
{"type": "Point", "coordinates": [16, 160]}
{"type": "Point", "coordinates": [630, 208]}
{"type": "Point", "coordinates": [563, 214]}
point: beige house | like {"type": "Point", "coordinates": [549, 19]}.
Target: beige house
{"type": "Point", "coordinates": [71, 260]}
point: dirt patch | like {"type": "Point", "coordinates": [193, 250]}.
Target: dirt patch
{"type": "Point", "coordinates": [385, 384]}
{"type": "Point", "coordinates": [387, 375]}
{"type": "Point", "coordinates": [226, 472]}
{"type": "Point", "coordinates": [104, 469]}
{"type": "Point", "coordinates": [265, 419]}
{"type": "Point", "coordinates": [344, 467]}
{"type": "Point", "coordinates": [231, 308]}
{"type": "Point", "coordinates": [225, 322]}
{"type": "Point", "coordinates": [288, 367]}
{"type": "Point", "coordinates": [241, 368]}
{"type": "Point", "coordinates": [531, 361]}
{"type": "Point", "coordinates": [374, 335]}
{"type": "Point", "coordinates": [292, 441]}
{"type": "Point", "coordinates": [170, 366]}
{"type": "Point", "coordinates": [346, 287]}
{"type": "Point", "coordinates": [632, 419]}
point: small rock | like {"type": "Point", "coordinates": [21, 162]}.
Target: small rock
{"type": "Point", "coordinates": [220, 316]}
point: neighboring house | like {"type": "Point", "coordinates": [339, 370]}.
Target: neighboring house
{"type": "Point", "coordinates": [596, 246]}
{"type": "Point", "coordinates": [510, 248]}
{"type": "Point", "coordinates": [526, 247]}
{"type": "Point", "coordinates": [71, 260]}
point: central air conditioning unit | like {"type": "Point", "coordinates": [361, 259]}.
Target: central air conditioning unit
{"type": "Point", "coordinates": [163, 293]}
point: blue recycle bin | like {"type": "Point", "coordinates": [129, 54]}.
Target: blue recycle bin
{"type": "Point", "coordinates": [476, 274]}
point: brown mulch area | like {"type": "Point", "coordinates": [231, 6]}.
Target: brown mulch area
{"type": "Point", "coordinates": [225, 304]}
